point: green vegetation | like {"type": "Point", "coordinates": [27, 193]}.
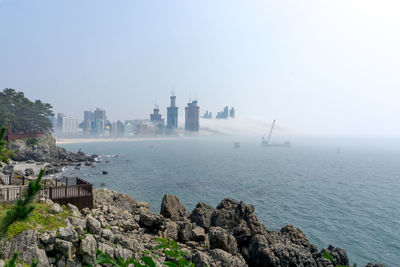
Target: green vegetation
{"type": "Point", "coordinates": [31, 142]}
{"type": "Point", "coordinates": [23, 209]}
{"type": "Point", "coordinates": [169, 248]}
{"type": "Point", "coordinates": [41, 220]}
{"type": "Point", "coordinates": [4, 152]}
{"type": "Point", "coordinates": [24, 114]}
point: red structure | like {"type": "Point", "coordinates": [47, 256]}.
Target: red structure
{"type": "Point", "coordinates": [10, 136]}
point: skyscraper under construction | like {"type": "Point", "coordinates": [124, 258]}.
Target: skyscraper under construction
{"type": "Point", "coordinates": [192, 114]}
{"type": "Point", "coordinates": [172, 114]}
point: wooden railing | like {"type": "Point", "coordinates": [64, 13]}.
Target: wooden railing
{"type": "Point", "coordinates": [66, 190]}
{"type": "Point", "coordinates": [5, 179]}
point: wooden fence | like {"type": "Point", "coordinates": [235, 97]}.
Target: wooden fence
{"type": "Point", "coordinates": [67, 190]}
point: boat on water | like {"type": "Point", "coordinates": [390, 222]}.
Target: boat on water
{"type": "Point", "coordinates": [266, 142]}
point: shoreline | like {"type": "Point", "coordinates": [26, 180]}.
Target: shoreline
{"type": "Point", "coordinates": [63, 141]}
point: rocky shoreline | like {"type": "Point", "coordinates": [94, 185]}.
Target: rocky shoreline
{"type": "Point", "coordinates": [229, 235]}
{"type": "Point", "coordinates": [27, 160]}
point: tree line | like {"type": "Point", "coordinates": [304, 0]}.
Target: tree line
{"type": "Point", "coordinates": [23, 114]}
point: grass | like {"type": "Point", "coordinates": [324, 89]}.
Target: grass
{"type": "Point", "coordinates": [41, 220]}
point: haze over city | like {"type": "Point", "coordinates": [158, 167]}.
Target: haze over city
{"type": "Point", "coordinates": [316, 67]}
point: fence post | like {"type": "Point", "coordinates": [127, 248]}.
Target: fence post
{"type": "Point", "coordinates": [8, 193]}
{"type": "Point", "coordinates": [65, 191]}
{"type": "Point", "coordinates": [51, 192]}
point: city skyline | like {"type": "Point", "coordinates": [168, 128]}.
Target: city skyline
{"type": "Point", "coordinates": [268, 59]}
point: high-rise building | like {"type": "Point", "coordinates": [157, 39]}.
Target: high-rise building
{"type": "Point", "coordinates": [88, 118]}
{"type": "Point", "coordinates": [97, 128]}
{"type": "Point", "coordinates": [225, 113]}
{"type": "Point", "coordinates": [172, 114]}
{"type": "Point", "coordinates": [192, 114]}
{"type": "Point", "coordinates": [99, 115]}
{"type": "Point", "coordinates": [69, 125]}
{"type": "Point", "coordinates": [155, 117]}
{"type": "Point", "coordinates": [207, 115]}
{"type": "Point", "coordinates": [232, 112]}
{"type": "Point", "coordinates": [60, 117]}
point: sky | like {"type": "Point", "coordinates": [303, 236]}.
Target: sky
{"type": "Point", "coordinates": [317, 67]}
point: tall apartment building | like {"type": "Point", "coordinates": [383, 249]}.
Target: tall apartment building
{"type": "Point", "coordinates": [192, 115]}
{"type": "Point", "coordinates": [172, 114]}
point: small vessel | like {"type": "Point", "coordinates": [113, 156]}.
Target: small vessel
{"type": "Point", "coordinates": [236, 144]}
{"type": "Point", "coordinates": [265, 142]}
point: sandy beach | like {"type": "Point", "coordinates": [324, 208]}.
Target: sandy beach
{"type": "Point", "coordinates": [61, 141]}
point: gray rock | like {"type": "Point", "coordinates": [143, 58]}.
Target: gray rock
{"type": "Point", "coordinates": [339, 255]}
{"type": "Point", "coordinates": [149, 219]}
{"type": "Point", "coordinates": [201, 215]}
{"type": "Point", "coordinates": [8, 169]}
{"type": "Point", "coordinates": [29, 172]}
{"type": "Point", "coordinates": [220, 238]}
{"type": "Point", "coordinates": [106, 249]}
{"type": "Point", "coordinates": [74, 210]}
{"type": "Point", "coordinates": [78, 224]}
{"type": "Point", "coordinates": [107, 234]}
{"type": "Point", "coordinates": [26, 244]}
{"type": "Point", "coordinates": [93, 225]}
{"type": "Point", "coordinates": [67, 234]}
{"type": "Point", "coordinates": [172, 208]}
{"type": "Point", "coordinates": [198, 234]}
{"type": "Point", "coordinates": [185, 231]}
{"type": "Point", "coordinates": [66, 248]}
{"type": "Point", "coordinates": [88, 249]}
{"type": "Point", "coordinates": [123, 253]}
{"type": "Point", "coordinates": [171, 230]}
{"type": "Point", "coordinates": [217, 258]}
{"type": "Point", "coordinates": [55, 209]}
{"type": "Point", "coordinates": [49, 237]}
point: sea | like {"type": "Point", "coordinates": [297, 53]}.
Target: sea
{"type": "Point", "coordinates": [347, 196]}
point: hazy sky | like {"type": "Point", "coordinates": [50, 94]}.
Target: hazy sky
{"type": "Point", "coordinates": [330, 67]}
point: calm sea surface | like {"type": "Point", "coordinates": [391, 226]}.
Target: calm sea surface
{"type": "Point", "coordinates": [349, 199]}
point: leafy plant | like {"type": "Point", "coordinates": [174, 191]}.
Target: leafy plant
{"type": "Point", "coordinates": [172, 250]}
{"type": "Point", "coordinates": [169, 248]}
{"type": "Point", "coordinates": [12, 261]}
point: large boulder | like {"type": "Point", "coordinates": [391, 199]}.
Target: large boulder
{"type": "Point", "coordinates": [220, 238]}
{"type": "Point", "coordinates": [201, 215]}
{"type": "Point", "coordinates": [67, 234]}
{"type": "Point", "coordinates": [93, 225]}
{"type": "Point", "coordinates": [172, 208]}
{"type": "Point", "coordinates": [66, 248]}
{"type": "Point", "coordinates": [339, 255]}
{"type": "Point", "coordinates": [26, 245]}
{"type": "Point", "coordinates": [88, 249]}
{"type": "Point", "coordinates": [217, 258]}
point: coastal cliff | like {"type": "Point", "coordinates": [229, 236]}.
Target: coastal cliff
{"type": "Point", "coordinates": [44, 149]}
{"type": "Point", "coordinates": [228, 235]}
{"type": "Point", "coordinates": [43, 152]}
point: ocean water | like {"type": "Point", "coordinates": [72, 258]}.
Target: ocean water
{"type": "Point", "coordinates": [349, 199]}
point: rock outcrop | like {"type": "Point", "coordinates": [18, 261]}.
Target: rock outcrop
{"type": "Point", "coordinates": [227, 236]}
{"type": "Point", "coordinates": [46, 150]}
